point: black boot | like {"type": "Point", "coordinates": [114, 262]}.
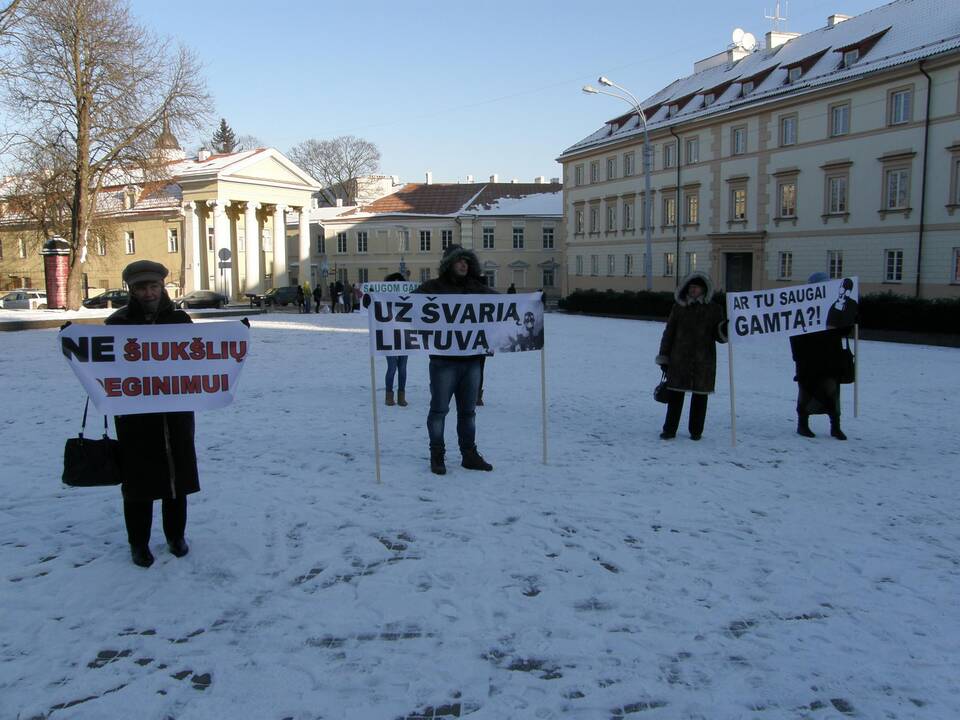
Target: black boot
{"type": "Point", "coordinates": [835, 430]}
{"type": "Point", "coordinates": [141, 555]}
{"type": "Point", "coordinates": [803, 426]}
{"type": "Point", "coordinates": [437, 465]}
{"type": "Point", "coordinates": [178, 547]}
{"type": "Point", "coordinates": [472, 460]}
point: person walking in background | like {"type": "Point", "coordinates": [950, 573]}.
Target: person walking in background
{"type": "Point", "coordinates": [333, 297]}
{"type": "Point", "coordinates": [158, 459]}
{"type": "Point", "coordinates": [348, 297]}
{"type": "Point", "coordinates": [455, 376]}
{"type": "Point", "coordinates": [396, 364]}
{"type": "Point", "coordinates": [317, 298]}
{"type": "Point", "coordinates": [512, 290]}
{"type": "Point", "coordinates": [307, 297]}
{"type": "Point", "coordinates": [688, 353]}
{"type": "Point", "coordinates": [819, 363]}
{"type": "Point", "coordinates": [300, 298]}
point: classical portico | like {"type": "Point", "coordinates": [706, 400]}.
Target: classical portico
{"type": "Point", "coordinates": [234, 218]}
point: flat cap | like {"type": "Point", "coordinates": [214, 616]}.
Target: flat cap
{"type": "Point", "coordinates": [144, 271]}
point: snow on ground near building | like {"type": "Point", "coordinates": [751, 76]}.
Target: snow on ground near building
{"type": "Point", "coordinates": [630, 577]}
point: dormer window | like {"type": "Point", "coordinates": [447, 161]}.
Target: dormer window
{"type": "Point", "coordinates": [850, 54]}
{"type": "Point", "coordinates": [709, 99]}
{"type": "Point", "coordinates": [747, 88]}
{"type": "Point", "coordinates": [794, 74]}
{"type": "Point", "coordinates": [129, 198]}
{"type": "Point", "coordinates": [674, 109]}
{"type": "Point", "coordinates": [850, 57]}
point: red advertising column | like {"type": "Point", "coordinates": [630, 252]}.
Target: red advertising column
{"type": "Point", "coordinates": [56, 268]}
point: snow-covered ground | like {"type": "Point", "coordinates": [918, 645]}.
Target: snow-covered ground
{"type": "Point", "coordinates": [629, 578]}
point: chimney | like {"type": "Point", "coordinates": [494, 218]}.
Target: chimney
{"type": "Point", "coordinates": [539, 179]}
{"type": "Point", "coordinates": [395, 180]}
{"type": "Point", "coordinates": [203, 155]}
{"type": "Point", "coordinates": [776, 38]}
{"type": "Point", "coordinates": [836, 19]}
{"type": "Point", "coordinates": [514, 181]}
{"type": "Point", "coordinates": [494, 178]}
{"type": "Point", "coordinates": [429, 177]}
{"type": "Point", "coordinates": [555, 181]}
{"type": "Point", "coordinates": [339, 202]}
{"type": "Point", "coordinates": [469, 178]}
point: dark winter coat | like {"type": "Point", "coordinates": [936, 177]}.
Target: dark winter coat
{"type": "Point", "coordinates": [687, 347]}
{"type": "Point", "coordinates": [157, 454]}
{"type": "Point", "coordinates": [818, 356]}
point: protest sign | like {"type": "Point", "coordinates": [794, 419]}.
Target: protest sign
{"type": "Point", "coordinates": [793, 310]}
{"type": "Point", "coordinates": [393, 286]}
{"type": "Point", "coordinates": [133, 369]}
{"type": "Point", "coordinates": [455, 324]}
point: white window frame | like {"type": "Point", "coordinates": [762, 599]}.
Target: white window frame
{"type": "Point", "coordinates": [838, 194]}
{"type": "Point", "coordinates": [611, 217]}
{"type": "Point", "coordinates": [518, 239]}
{"type": "Point", "coordinates": [579, 265]}
{"type": "Point", "coordinates": [173, 240]}
{"type": "Point", "coordinates": [850, 57]}
{"type": "Point", "coordinates": [782, 210]}
{"type": "Point", "coordinates": [578, 175]}
{"type": "Point", "coordinates": [839, 119]}
{"type": "Point", "coordinates": [669, 155]}
{"type": "Point", "coordinates": [594, 265]}
{"type": "Point", "coordinates": [691, 202]}
{"type": "Point", "coordinates": [669, 207]}
{"type": "Point", "coordinates": [129, 242]}
{"type": "Point", "coordinates": [446, 239]}
{"type": "Point", "coordinates": [594, 172]}
{"type": "Point", "coordinates": [785, 265]}
{"type": "Point", "coordinates": [737, 215]}
{"type": "Point", "coordinates": [788, 130]}
{"type": "Point", "coordinates": [896, 183]}
{"type": "Point", "coordinates": [628, 220]}
{"type": "Point", "coordinates": [901, 106]}
{"type": "Point", "coordinates": [835, 264]}
{"type": "Point", "coordinates": [738, 140]}
{"type": "Point", "coordinates": [893, 265]}
{"type": "Point", "coordinates": [594, 220]}
{"type": "Point", "coordinates": [363, 242]}
{"type": "Point", "coordinates": [611, 265]}
{"type": "Point", "coordinates": [794, 74]}
{"type": "Point", "coordinates": [489, 235]}
{"type": "Point", "coordinates": [363, 275]}
{"type": "Point", "coordinates": [611, 168]}
{"type": "Point", "coordinates": [341, 243]}
{"type": "Point", "coordinates": [424, 274]}
{"type": "Point", "coordinates": [692, 148]}
{"type": "Point", "coordinates": [101, 246]}
{"type": "Point", "coordinates": [669, 264]}
{"type": "Point", "coordinates": [548, 234]}
{"type": "Point", "coordinates": [426, 238]}
{"type": "Point", "coordinates": [629, 164]}
{"type": "Point", "coordinates": [548, 274]}
{"type": "Point", "coordinates": [21, 248]}
{"type": "Point", "coordinates": [691, 261]}
{"type": "Point", "coordinates": [628, 265]}
{"type": "Point", "coordinates": [578, 222]}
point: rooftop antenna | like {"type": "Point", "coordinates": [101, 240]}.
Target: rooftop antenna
{"type": "Point", "coordinates": [777, 18]}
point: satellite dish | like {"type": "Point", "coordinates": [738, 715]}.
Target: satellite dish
{"type": "Point", "coordinates": [749, 42]}
{"type": "Point", "coordinates": [737, 36]}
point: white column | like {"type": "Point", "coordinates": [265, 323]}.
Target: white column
{"type": "Point", "coordinates": [251, 235]}
{"type": "Point", "coordinates": [192, 226]}
{"type": "Point", "coordinates": [280, 275]}
{"type": "Point", "coordinates": [223, 270]}
{"type": "Point", "coordinates": [305, 246]}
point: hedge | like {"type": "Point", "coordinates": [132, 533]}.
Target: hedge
{"type": "Point", "coordinates": [878, 311]}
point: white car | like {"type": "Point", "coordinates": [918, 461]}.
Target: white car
{"type": "Point", "coordinates": [24, 299]}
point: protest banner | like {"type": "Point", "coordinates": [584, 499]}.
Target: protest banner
{"type": "Point", "coordinates": [134, 369]}
{"type": "Point", "coordinates": [406, 324]}
{"type": "Point", "coordinates": [793, 310]}
{"type": "Point", "coordinates": [400, 287]}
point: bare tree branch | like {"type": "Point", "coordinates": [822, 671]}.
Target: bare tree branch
{"type": "Point", "coordinates": [337, 164]}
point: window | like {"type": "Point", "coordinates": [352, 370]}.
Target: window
{"type": "Point", "coordinates": [446, 239]}
{"type": "Point", "coordinates": [404, 236]}
{"type": "Point", "coordinates": [424, 274]}
{"type": "Point", "coordinates": [693, 150]}
{"type": "Point", "coordinates": [738, 141]}
{"type": "Point", "coordinates": [579, 264]}
{"type": "Point", "coordinates": [611, 264]}
{"type": "Point", "coordinates": [839, 119]}
{"type": "Point", "coordinates": [321, 245]}
{"type": "Point", "coordinates": [709, 99]}
{"type": "Point", "coordinates": [785, 269]}
{"type": "Point", "coordinates": [363, 275]}
{"type": "Point", "coordinates": [21, 248]}
{"type": "Point", "coordinates": [342, 275]}
{"type": "Point", "coordinates": [788, 130]}
{"type": "Point", "coordinates": [837, 194]}
{"type": "Point", "coordinates": [901, 106]}
{"type": "Point", "coordinates": [670, 210]}
{"type": "Point", "coordinates": [594, 171]}
{"type": "Point", "coordinates": [850, 57]}
{"type": "Point", "coordinates": [628, 264]}
{"type": "Point", "coordinates": [611, 217]}
{"type": "Point", "coordinates": [594, 264]}
{"type": "Point", "coordinates": [424, 241]}
{"type": "Point", "coordinates": [577, 223]}
{"type": "Point", "coordinates": [955, 273]}
{"type": "Point", "coordinates": [628, 215]}
{"type": "Point", "coordinates": [101, 246]}
{"type": "Point", "coordinates": [547, 235]}
{"type": "Point", "coordinates": [130, 244]}
{"type": "Point", "coordinates": [490, 276]}
{"type": "Point", "coordinates": [578, 175]}
{"type": "Point", "coordinates": [897, 189]}
{"type": "Point", "coordinates": [518, 238]}
{"type": "Point", "coordinates": [691, 262]}
{"type": "Point", "coordinates": [594, 220]}
{"type": "Point", "coordinates": [835, 264]}
{"type": "Point", "coordinates": [787, 196]}
{"type": "Point", "coordinates": [362, 241]}
{"type": "Point", "coordinates": [894, 265]}
{"type": "Point", "coordinates": [341, 242]}
{"type": "Point", "coordinates": [211, 240]}
{"type": "Point", "coordinates": [738, 204]}
{"type": "Point", "coordinates": [629, 162]}
{"type": "Point", "coordinates": [794, 73]}
{"type": "Point", "coordinates": [611, 168]}
{"type": "Point", "coordinates": [547, 278]}
{"type": "Point", "coordinates": [488, 232]}
{"type": "Point", "coordinates": [747, 88]}
{"type": "Point", "coordinates": [668, 264]}
{"type": "Point", "coordinates": [692, 210]}
{"type": "Point", "coordinates": [173, 242]}
{"type": "Point", "coordinates": [669, 155]}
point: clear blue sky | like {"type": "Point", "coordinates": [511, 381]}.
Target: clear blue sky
{"type": "Point", "coordinates": [453, 87]}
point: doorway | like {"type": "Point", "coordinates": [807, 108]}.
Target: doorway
{"type": "Point", "coordinates": [739, 272]}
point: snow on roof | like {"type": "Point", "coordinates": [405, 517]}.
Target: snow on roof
{"type": "Point", "coordinates": [908, 30]}
{"type": "Point", "coordinates": [518, 199]}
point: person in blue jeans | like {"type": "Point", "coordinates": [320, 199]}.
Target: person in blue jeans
{"type": "Point", "coordinates": [396, 364]}
{"type": "Point", "coordinates": [455, 376]}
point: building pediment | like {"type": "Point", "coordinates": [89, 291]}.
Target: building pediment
{"type": "Point", "coordinates": [518, 264]}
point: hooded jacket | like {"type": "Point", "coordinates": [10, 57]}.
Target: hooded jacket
{"type": "Point", "coordinates": [687, 347]}
{"type": "Point", "coordinates": [157, 454]}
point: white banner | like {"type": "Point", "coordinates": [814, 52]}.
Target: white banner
{"type": "Point", "coordinates": [455, 324]}
{"type": "Point", "coordinates": [133, 369]}
{"type": "Point", "coordinates": [793, 310]}
{"type": "Point", "coordinates": [392, 286]}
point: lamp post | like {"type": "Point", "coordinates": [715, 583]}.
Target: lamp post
{"type": "Point", "coordinates": [647, 200]}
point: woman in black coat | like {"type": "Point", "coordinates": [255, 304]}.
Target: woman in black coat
{"type": "Point", "coordinates": [158, 460]}
{"type": "Point", "coordinates": [688, 353]}
{"type": "Point", "coordinates": [819, 363]}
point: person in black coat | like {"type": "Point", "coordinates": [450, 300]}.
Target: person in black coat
{"type": "Point", "coordinates": [158, 460]}
{"type": "Point", "coordinates": [819, 363]}
{"type": "Point", "coordinates": [317, 297]}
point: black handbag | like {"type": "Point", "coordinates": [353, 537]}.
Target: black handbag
{"type": "Point", "coordinates": [661, 393]}
{"type": "Point", "coordinates": [91, 463]}
{"type": "Point", "coordinates": [848, 371]}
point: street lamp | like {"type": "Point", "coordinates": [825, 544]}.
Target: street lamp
{"type": "Point", "coordinates": [647, 200]}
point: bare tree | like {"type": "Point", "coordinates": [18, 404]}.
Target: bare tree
{"type": "Point", "coordinates": [86, 78]}
{"type": "Point", "coordinates": [8, 16]}
{"type": "Point", "coordinates": [337, 163]}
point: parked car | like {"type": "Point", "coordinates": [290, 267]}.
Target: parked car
{"type": "Point", "coordinates": [116, 298]}
{"type": "Point", "coordinates": [24, 299]}
{"type": "Point", "coordinates": [282, 296]}
{"type": "Point", "coordinates": [201, 299]}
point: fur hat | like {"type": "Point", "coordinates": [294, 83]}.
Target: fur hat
{"type": "Point", "coordinates": [458, 252]}
{"type": "Point", "coordinates": [144, 271]}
